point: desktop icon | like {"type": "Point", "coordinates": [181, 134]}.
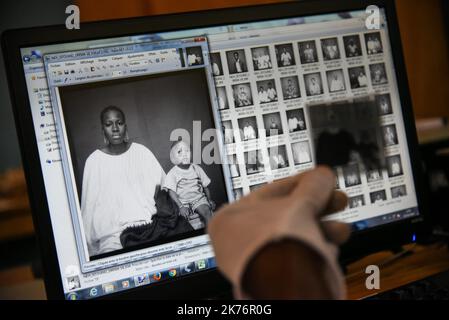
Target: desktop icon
{"type": "Point", "coordinates": [108, 288]}
{"type": "Point", "coordinates": [72, 296]}
{"type": "Point", "coordinates": [201, 264]}
{"type": "Point", "coordinates": [172, 273]}
{"type": "Point", "coordinates": [36, 55]}
{"type": "Point", "coordinates": [125, 284]}
{"type": "Point", "coordinates": [157, 276]}
{"type": "Point", "coordinates": [93, 292]}
{"type": "Point", "coordinates": [142, 279]}
{"type": "Point", "coordinates": [188, 268]}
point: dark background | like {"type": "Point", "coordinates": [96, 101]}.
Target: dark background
{"type": "Point", "coordinates": [153, 105]}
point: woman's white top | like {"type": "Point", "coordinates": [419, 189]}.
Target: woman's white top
{"type": "Point", "coordinates": [118, 192]}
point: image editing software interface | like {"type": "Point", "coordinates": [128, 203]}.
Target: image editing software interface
{"type": "Point", "coordinates": [285, 96]}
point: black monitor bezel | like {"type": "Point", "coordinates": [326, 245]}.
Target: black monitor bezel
{"type": "Point", "coordinates": [206, 283]}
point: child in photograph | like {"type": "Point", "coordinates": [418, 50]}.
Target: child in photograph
{"type": "Point", "coordinates": [187, 184]}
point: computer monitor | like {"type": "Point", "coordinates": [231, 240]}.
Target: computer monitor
{"type": "Point", "coordinates": [134, 132]}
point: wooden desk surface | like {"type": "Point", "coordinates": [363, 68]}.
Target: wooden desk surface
{"type": "Point", "coordinates": [18, 283]}
{"type": "Point", "coordinates": [423, 261]}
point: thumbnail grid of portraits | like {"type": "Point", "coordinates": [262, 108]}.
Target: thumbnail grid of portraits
{"type": "Point", "coordinates": [137, 185]}
{"type": "Point", "coordinates": [272, 124]}
{"type": "Point", "coordinates": [305, 56]}
{"type": "Point", "coordinates": [263, 89]}
{"type": "Point", "coordinates": [355, 139]}
{"type": "Point", "coordinates": [364, 150]}
{"type": "Point", "coordinates": [353, 176]}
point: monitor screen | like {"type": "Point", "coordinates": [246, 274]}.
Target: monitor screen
{"type": "Point", "coordinates": [142, 138]}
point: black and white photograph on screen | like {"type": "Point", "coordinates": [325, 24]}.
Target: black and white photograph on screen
{"type": "Point", "coordinates": [254, 187]}
{"type": "Point", "coordinates": [248, 128]}
{"type": "Point", "coordinates": [373, 43]}
{"type": "Point", "coordinates": [236, 61]}
{"type": "Point", "coordinates": [347, 132]}
{"type": "Point", "coordinates": [254, 162]}
{"type": "Point", "coordinates": [374, 175]}
{"type": "Point", "coordinates": [238, 193]}
{"type": "Point", "coordinates": [228, 132]}
{"type": "Point", "coordinates": [356, 201]}
{"type": "Point", "coordinates": [390, 135]}
{"type": "Point", "coordinates": [308, 52]}
{"type": "Point", "coordinates": [351, 175]}
{"type": "Point", "coordinates": [301, 152]}
{"type": "Point", "coordinates": [222, 97]}
{"type": "Point", "coordinates": [357, 77]}
{"type": "Point", "coordinates": [335, 81]}
{"type": "Point", "coordinates": [353, 47]}
{"type": "Point", "coordinates": [242, 95]}
{"type": "Point", "coordinates": [399, 191]}
{"type": "Point", "coordinates": [278, 157]}
{"type": "Point", "coordinates": [296, 120]}
{"type": "Point", "coordinates": [284, 55]}
{"type": "Point", "coordinates": [266, 90]}
{"type": "Point", "coordinates": [217, 65]}
{"type": "Point", "coordinates": [330, 49]}
{"type": "Point", "coordinates": [261, 58]}
{"type": "Point", "coordinates": [290, 88]}
{"type": "Point", "coordinates": [313, 83]}
{"type": "Point", "coordinates": [233, 165]}
{"type": "Point", "coordinates": [273, 124]}
{"type": "Point", "coordinates": [394, 166]}
{"type": "Point", "coordinates": [194, 56]}
{"type": "Point", "coordinates": [378, 196]}
{"type": "Point", "coordinates": [125, 160]}
{"type": "Point", "coordinates": [383, 102]}
{"type": "Point", "coordinates": [378, 74]}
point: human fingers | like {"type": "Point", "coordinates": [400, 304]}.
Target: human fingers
{"type": "Point", "coordinates": [315, 190]}
{"type": "Point", "coordinates": [336, 232]}
{"type": "Point", "coordinates": [338, 201]}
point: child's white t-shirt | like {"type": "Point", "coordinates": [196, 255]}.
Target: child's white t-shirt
{"type": "Point", "coordinates": [188, 183]}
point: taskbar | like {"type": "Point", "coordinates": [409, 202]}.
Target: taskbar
{"type": "Point", "coordinates": [384, 219]}
{"type": "Point", "coordinates": [141, 280]}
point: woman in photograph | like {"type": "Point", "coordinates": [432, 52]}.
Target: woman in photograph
{"type": "Point", "coordinates": [119, 184]}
